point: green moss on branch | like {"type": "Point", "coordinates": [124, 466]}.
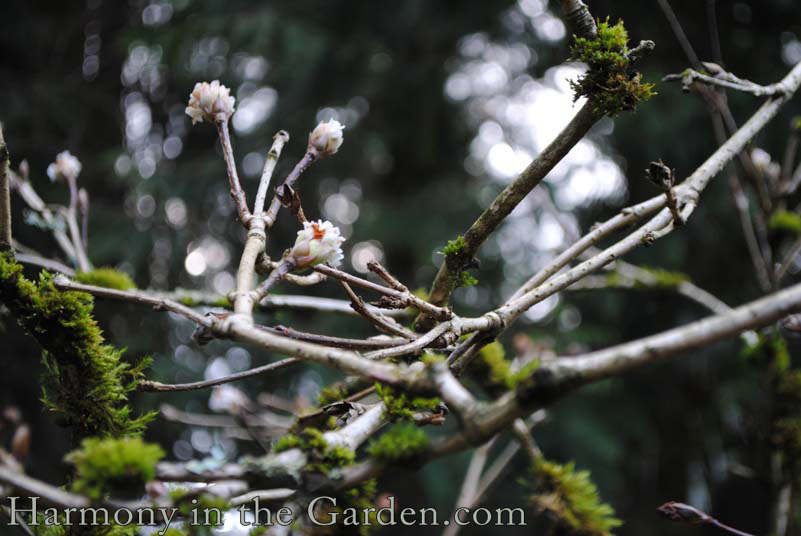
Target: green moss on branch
{"type": "Point", "coordinates": [399, 405]}
{"type": "Point", "coordinates": [571, 499]}
{"type": "Point", "coordinates": [107, 278]}
{"type": "Point", "coordinates": [119, 467]}
{"type": "Point", "coordinates": [611, 83]}
{"type": "Point", "coordinates": [85, 379]}
{"type": "Point", "coordinates": [400, 443]}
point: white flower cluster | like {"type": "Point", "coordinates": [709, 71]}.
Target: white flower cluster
{"type": "Point", "coordinates": [326, 138]}
{"type": "Point", "coordinates": [318, 242]}
{"type": "Point", "coordinates": [66, 166]}
{"type": "Point", "coordinates": [211, 102]}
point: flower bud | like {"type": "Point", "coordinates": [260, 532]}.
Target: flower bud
{"type": "Point", "coordinates": [318, 242]}
{"type": "Point", "coordinates": [326, 137]}
{"type": "Point", "coordinates": [683, 513]}
{"type": "Point", "coordinates": [212, 102]}
{"type": "Point", "coordinates": [66, 166]}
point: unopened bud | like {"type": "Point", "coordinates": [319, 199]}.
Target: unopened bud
{"type": "Point", "coordinates": [326, 138]}
{"type": "Point", "coordinates": [683, 513]}
{"type": "Point", "coordinates": [66, 166]}
{"type": "Point", "coordinates": [212, 102]}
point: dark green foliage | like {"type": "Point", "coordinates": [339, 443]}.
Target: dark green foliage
{"type": "Point", "coordinates": [400, 405]}
{"type": "Point", "coordinates": [399, 443]}
{"type": "Point", "coordinates": [119, 467]}
{"type": "Point", "coordinates": [611, 82]}
{"type": "Point", "coordinates": [85, 379]}
{"type": "Point", "coordinates": [571, 499]}
{"type": "Point", "coordinates": [106, 277]}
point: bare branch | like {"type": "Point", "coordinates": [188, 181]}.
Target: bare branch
{"type": "Point", "coordinates": [725, 80]}
{"type": "Point", "coordinates": [377, 319]}
{"type": "Point", "coordinates": [237, 193]}
{"type": "Point", "coordinates": [508, 199]}
{"type": "Point", "coordinates": [307, 160]}
{"type": "Point", "coordinates": [152, 386]}
{"type": "Point", "coordinates": [48, 264]}
{"type": "Point", "coordinates": [279, 140]}
{"type": "Point", "coordinates": [404, 298]}
{"type": "Point", "coordinates": [675, 25]}
{"type": "Point", "coordinates": [5, 195]}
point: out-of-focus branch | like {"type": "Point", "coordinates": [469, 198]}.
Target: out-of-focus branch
{"type": "Point", "coordinates": [49, 264]}
{"type": "Point", "coordinates": [679, 32]}
{"type": "Point", "coordinates": [5, 195]}
{"type": "Point", "coordinates": [25, 190]}
{"type": "Point", "coordinates": [71, 217]}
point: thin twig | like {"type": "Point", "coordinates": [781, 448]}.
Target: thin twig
{"type": "Point", "coordinates": [49, 264]}
{"type": "Point", "coordinates": [714, 34]}
{"type": "Point", "coordinates": [5, 195]}
{"type": "Point", "coordinates": [25, 190]}
{"type": "Point", "coordinates": [379, 321]}
{"type": "Point", "coordinates": [233, 176]}
{"type": "Point", "coordinates": [403, 299]}
{"type": "Point", "coordinates": [724, 80]}
{"type": "Point", "coordinates": [339, 342]}
{"type": "Point", "coordinates": [678, 31]}
{"type": "Point", "coordinates": [152, 386]}
{"type": "Point", "coordinates": [308, 159]}
{"type": "Point", "coordinates": [795, 249]}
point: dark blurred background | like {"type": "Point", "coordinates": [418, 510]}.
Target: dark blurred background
{"type": "Point", "coordinates": [443, 103]}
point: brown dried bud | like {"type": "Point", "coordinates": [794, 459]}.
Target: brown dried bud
{"type": "Point", "coordinates": [660, 175]}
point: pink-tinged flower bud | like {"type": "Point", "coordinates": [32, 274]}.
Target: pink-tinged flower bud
{"type": "Point", "coordinates": [212, 102]}
{"type": "Point", "coordinates": [326, 138]}
{"type": "Point", "coordinates": [66, 166]}
{"type": "Point", "coordinates": [318, 242]}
